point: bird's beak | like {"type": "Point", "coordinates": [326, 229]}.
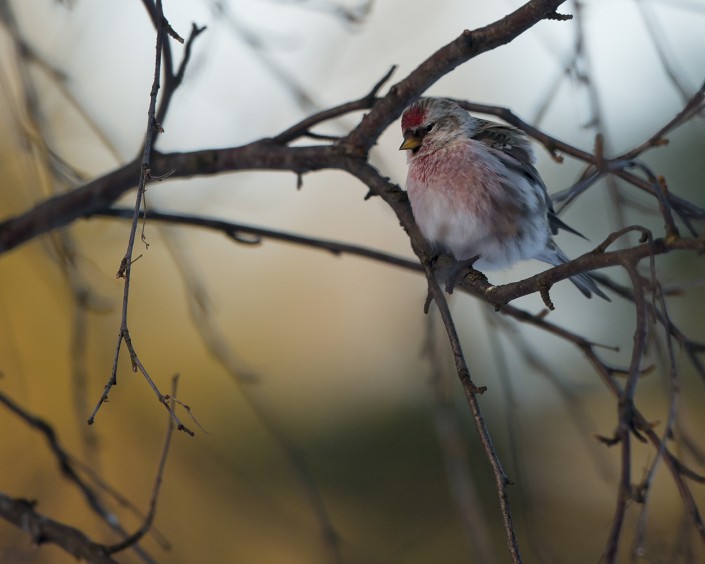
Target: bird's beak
{"type": "Point", "coordinates": [411, 142]}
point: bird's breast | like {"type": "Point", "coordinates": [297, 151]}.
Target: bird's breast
{"type": "Point", "coordinates": [461, 203]}
{"type": "Point", "coordinates": [452, 180]}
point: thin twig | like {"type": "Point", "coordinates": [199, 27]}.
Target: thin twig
{"type": "Point", "coordinates": [464, 491]}
{"type": "Point", "coordinates": [626, 423]}
{"type": "Point", "coordinates": [471, 393]}
{"type": "Point", "coordinates": [135, 537]}
{"type": "Point", "coordinates": [125, 269]}
{"type": "Point", "coordinates": [236, 232]}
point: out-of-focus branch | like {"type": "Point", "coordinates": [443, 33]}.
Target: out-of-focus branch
{"type": "Point", "coordinates": [221, 348]}
{"type": "Point", "coordinates": [254, 235]}
{"type": "Point", "coordinates": [496, 295]}
{"type": "Point", "coordinates": [62, 457]}
{"type": "Point", "coordinates": [42, 529]}
{"type": "Point", "coordinates": [251, 235]}
{"type": "Point", "coordinates": [135, 537]}
{"type": "Point", "coordinates": [68, 467]}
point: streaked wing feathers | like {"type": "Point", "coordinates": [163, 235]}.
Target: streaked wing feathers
{"type": "Point", "coordinates": [506, 139]}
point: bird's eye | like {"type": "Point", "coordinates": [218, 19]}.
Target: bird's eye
{"type": "Point", "coordinates": [429, 127]}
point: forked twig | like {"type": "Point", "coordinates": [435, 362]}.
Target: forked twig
{"type": "Point", "coordinates": [125, 270]}
{"type": "Point", "coordinates": [149, 519]}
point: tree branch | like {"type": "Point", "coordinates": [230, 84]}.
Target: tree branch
{"type": "Point", "coordinates": [42, 529]}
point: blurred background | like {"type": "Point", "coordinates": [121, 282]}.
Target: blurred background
{"type": "Point", "coordinates": [282, 349]}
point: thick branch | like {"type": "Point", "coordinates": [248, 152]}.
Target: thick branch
{"type": "Point", "coordinates": [468, 45]}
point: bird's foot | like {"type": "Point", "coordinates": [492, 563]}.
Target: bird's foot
{"type": "Point", "coordinates": [454, 276]}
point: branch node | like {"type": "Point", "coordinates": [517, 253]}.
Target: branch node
{"type": "Point", "coordinates": [380, 83]}
{"type": "Point", "coordinates": [122, 268]}
{"type": "Point", "coordinates": [543, 290]}
{"type": "Point", "coordinates": [489, 294]}
{"type": "Point", "coordinates": [171, 31]}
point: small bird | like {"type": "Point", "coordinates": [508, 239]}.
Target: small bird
{"type": "Point", "coordinates": [475, 192]}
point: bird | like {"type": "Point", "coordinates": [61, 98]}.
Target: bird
{"type": "Point", "coordinates": [475, 192]}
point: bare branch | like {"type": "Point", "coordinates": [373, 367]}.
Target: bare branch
{"type": "Point", "coordinates": [471, 392]}
{"type": "Point", "coordinates": [43, 529]}
{"type": "Point", "coordinates": [135, 537]}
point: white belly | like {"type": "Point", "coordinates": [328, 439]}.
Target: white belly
{"type": "Point", "coordinates": [464, 233]}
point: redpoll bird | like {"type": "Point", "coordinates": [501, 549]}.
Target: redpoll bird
{"type": "Point", "coordinates": [475, 192]}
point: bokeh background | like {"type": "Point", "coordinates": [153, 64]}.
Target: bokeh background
{"type": "Point", "coordinates": [331, 352]}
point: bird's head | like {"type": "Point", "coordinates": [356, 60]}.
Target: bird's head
{"type": "Point", "coordinates": [433, 123]}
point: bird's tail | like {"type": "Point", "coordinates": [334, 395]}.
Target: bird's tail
{"type": "Point", "coordinates": [584, 282]}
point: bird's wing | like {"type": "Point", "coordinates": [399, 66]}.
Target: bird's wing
{"type": "Point", "coordinates": [514, 149]}
{"type": "Point", "coordinates": [506, 139]}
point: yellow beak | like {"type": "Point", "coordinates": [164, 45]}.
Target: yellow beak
{"type": "Point", "coordinates": [411, 141]}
